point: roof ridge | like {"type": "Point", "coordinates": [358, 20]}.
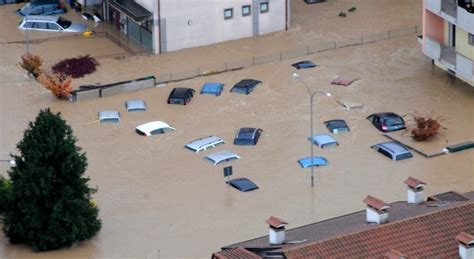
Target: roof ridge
{"type": "Point", "coordinates": [462, 204]}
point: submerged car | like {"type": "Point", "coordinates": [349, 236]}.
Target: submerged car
{"type": "Point", "coordinates": [181, 95]}
{"type": "Point", "coordinates": [393, 150]}
{"type": "Point", "coordinates": [323, 140]}
{"type": "Point", "coordinates": [50, 23]}
{"type": "Point", "coordinates": [153, 127]}
{"type": "Point", "coordinates": [303, 64]}
{"type": "Point", "coordinates": [337, 126]}
{"type": "Point", "coordinates": [243, 184]}
{"type": "Point", "coordinates": [204, 143]}
{"type": "Point", "coordinates": [245, 86]}
{"type": "Point", "coordinates": [222, 156]}
{"type": "Point", "coordinates": [387, 121]}
{"type": "Point", "coordinates": [135, 105]}
{"type": "Point", "coordinates": [42, 8]}
{"type": "Point", "coordinates": [316, 161]}
{"type": "Point", "coordinates": [212, 88]}
{"type": "Point", "coordinates": [314, 1]}
{"type": "Point", "coordinates": [247, 136]}
{"type": "Point", "coordinates": [109, 117]}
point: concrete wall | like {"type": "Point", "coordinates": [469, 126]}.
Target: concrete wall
{"type": "Point", "coordinates": [192, 23]}
{"type": "Point", "coordinates": [462, 44]}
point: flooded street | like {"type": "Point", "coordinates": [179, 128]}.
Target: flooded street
{"type": "Point", "coordinates": [156, 195]}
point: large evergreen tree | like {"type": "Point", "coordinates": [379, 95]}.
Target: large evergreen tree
{"type": "Point", "coordinates": [50, 202]}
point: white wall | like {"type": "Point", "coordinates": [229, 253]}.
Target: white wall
{"type": "Point", "coordinates": [191, 23]}
{"type": "Point", "coordinates": [148, 4]}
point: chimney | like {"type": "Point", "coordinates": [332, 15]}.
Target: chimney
{"type": "Point", "coordinates": [414, 190]}
{"type": "Point", "coordinates": [276, 231]}
{"type": "Point", "coordinates": [466, 245]}
{"type": "Point", "coordinates": [376, 210]}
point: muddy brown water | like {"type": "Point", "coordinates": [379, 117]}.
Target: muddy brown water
{"type": "Point", "coordinates": [156, 195]}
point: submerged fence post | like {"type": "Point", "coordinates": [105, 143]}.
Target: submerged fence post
{"type": "Point", "coordinates": [225, 66]}
{"type": "Point", "coordinates": [334, 44]}
{"type": "Point", "coordinates": [416, 28]}
{"type": "Point", "coordinates": [171, 76]}
{"type": "Point", "coordinates": [253, 60]}
{"type": "Point", "coordinates": [361, 40]}
{"type": "Point", "coordinates": [198, 71]}
{"type": "Point", "coordinates": [307, 50]}
{"type": "Point", "coordinates": [389, 34]}
{"type": "Point", "coordinates": [280, 56]}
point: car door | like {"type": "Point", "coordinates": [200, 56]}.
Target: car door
{"type": "Point", "coordinates": [40, 26]}
{"type": "Point", "coordinates": [54, 27]}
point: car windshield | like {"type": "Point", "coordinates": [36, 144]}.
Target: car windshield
{"type": "Point", "coordinates": [64, 23]}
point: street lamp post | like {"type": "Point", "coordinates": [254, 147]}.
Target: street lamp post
{"type": "Point", "coordinates": [11, 162]}
{"type": "Point", "coordinates": [311, 98]}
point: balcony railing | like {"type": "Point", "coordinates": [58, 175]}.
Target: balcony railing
{"type": "Point", "coordinates": [448, 57]}
{"type": "Point", "coordinates": [465, 68]}
{"type": "Point", "coordinates": [465, 20]}
{"type": "Point", "coordinates": [449, 10]}
{"type": "Point", "coordinates": [432, 48]}
{"type": "Point", "coordinates": [433, 6]}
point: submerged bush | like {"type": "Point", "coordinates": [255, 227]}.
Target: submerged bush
{"type": "Point", "coordinates": [32, 64]}
{"type": "Point", "coordinates": [58, 84]}
{"type": "Point", "coordinates": [76, 67]}
{"type": "Point", "coordinates": [425, 128]}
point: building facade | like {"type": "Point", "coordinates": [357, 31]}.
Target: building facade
{"type": "Point", "coordinates": [448, 36]}
{"type": "Point", "coordinates": [169, 25]}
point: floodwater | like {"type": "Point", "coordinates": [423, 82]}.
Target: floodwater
{"type": "Point", "coordinates": [157, 198]}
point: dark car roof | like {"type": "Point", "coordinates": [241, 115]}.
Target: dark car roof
{"type": "Point", "coordinates": [385, 114]}
{"type": "Point", "coordinates": [336, 124]}
{"type": "Point", "coordinates": [247, 83]}
{"type": "Point", "coordinates": [304, 64]}
{"type": "Point", "coordinates": [180, 92]}
{"type": "Point", "coordinates": [243, 184]}
{"type": "Point", "coordinates": [247, 133]}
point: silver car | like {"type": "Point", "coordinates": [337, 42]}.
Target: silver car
{"type": "Point", "coordinates": [393, 150]}
{"type": "Point", "coordinates": [50, 23]}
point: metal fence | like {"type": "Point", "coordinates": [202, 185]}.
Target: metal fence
{"type": "Point", "coordinates": [283, 55]}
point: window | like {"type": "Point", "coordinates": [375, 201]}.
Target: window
{"type": "Point", "coordinates": [40, 25]}
{"type": "Point", "coordinates": [53, 26]}
{"type": "Point", "coordinates": [28, 25]}
{"type": "Point", "coordinates": [246, 10]}
{"type": "Point", "coordinates": [471, 39]}
{"type": "Point", "coordinates": [228, 13]}
{"type": "Point", "coordinates": [264, 7]}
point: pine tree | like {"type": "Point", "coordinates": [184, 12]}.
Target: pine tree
{"type": "Point", "coordinates": [50, 202]}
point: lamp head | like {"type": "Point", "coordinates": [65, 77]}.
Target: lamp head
{"type": "Point", "coordinates": [12, 162]}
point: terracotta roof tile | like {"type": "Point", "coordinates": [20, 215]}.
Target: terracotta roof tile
{"type": "Point", "coordinates": [448, 196]}
{"type": "Point", "coordinates": [465, 238]}
{"type": "Point", "coordinates": [393, 254]}
{"type": "Point", "coordinates": [376, 203]}
{"type": "Point", "coordinates": [429, 235]}
{"type": "Point", "coordinates": [414, 183]}
{"type": "Point", "coordinates": [275, 222]}
{"type": "Point", "coordinates": [235, 253]}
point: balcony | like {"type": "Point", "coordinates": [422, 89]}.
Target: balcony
{"type": "Point", "coordinates": [448, 57]}
{"type": "Point", "coordinates": [449, 10]}
{"type": "Point", "coordinates": [465, 20]}
{"type": "Point", "coordinates": [465, 68]}
{"type": "Point", "coordinates": [433, 6]}
{"type": "Point", "coordinates": [432, 48]}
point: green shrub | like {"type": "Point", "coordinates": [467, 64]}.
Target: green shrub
{"type": "Point", "coordinates": [5, 188]}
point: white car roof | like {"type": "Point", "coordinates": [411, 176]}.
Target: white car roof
{"type": "Point", "coordinates": [204, 143]}
{"type": "Point", "coordinates": [134, 105]}
{"type": "Point", "coordinates": [46, 18]}
{"type": "Point", "coordinates": [153, 125]}
{"type": "Point", "coordinates": [109, 115]}
{"type": "Point", "coordinates": [393, 147]}
{"type": "Point", "coordinates": [218, 157]}
{"type": "Point", "coordinates": [323, 139]}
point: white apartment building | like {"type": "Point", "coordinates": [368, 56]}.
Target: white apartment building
{"type": "Point", "coordinates": [169, 25]}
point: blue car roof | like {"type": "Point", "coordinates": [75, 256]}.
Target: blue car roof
{"type": "Point", "coordinates": [212, 88]}
{"type": "Point", "coordinates": [317, 161]}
